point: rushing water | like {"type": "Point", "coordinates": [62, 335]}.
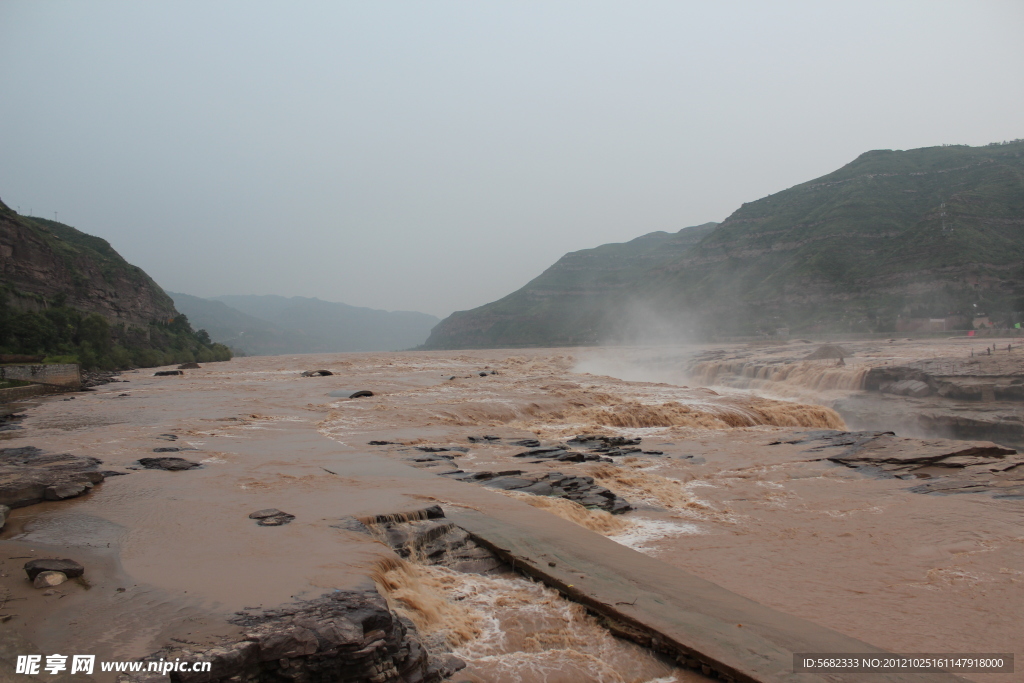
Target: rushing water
{"type": "Point", "coordinates": [728, 498]}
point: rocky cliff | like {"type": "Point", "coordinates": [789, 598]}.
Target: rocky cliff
{"type": "Point", "coordinates": [45, 261]}
{"type": "Point", "coordinates": [928, 232]}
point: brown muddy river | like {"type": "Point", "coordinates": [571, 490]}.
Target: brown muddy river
{"type": "Point", "coordinates": [170, 554]}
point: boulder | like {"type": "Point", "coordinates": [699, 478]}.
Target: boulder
{"type": "Point", "coordinates": [4, 511]}
{"type": "Point", "coordinates": [317, 373]}
{"type": "Point", "coordinates": [271, 517]}
{"type": "Point", "coordinates": [344, 635]}
{"type": "Point", "coordinates": [168, 373]}
{"type": "Point", "coordinates": [29, 476]}
{"type": "Point", "coordinates": [67, 490]}
{"type": "Point", "coordinates": [169, 464]}
{"type": "Point", "coordinates": [49, 579]}
{"type": "Point", "coordinates": [350, 393]}
{"type": "Point", "coordinates": [69, 568]}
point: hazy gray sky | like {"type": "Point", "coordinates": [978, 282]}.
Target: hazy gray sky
{"type": "Point", "coordinates": [435, 156]}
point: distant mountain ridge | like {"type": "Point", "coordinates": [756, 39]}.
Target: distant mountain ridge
{"type": "Point", "coordinates": [269, 325]}
{"type": "Point", "coordinates": [925, 232]}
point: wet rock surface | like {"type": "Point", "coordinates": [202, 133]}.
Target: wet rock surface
{"type": "Point", "coordinates": [950, 466]}
{"type": "Point", "coordinates": [1001, 421]}
{"type": "Point", "coordinates": [981, 378]}
{"type": "Point", "coordinates": [9, 419]}
{"type": "Point", "coordinates": [69, 568]}
{"type": "Point", "coordinates": [578, 489]}
{"type": "Point", "coordinates": [432, 540]}
{"type": "Point", "coordinates": [348, 636]}
{"type": "Point", "coordinates": [29, 476]}
{"type": "Point", "coordinates": [599, 448]}
{"type": "Point", "coordinates": [271, 517]}
{"type": "Point", "coordinates": [168, 463]}
{"type": "Point", "coordinates": [95, 378]}
{"type": "Point", "coordinates": [560, 454]}
{"type": "Point", "coordinates": [49, 579]}
{"type": "Point", "coordinates": [485, 439]}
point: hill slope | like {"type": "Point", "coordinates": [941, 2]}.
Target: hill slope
{"type": "Point", "coordinates": [243, 333]}
{"type": "Point", "coordinates": [268, 325]}
{"type": "Point", "coordinates": [568, 303]}
{"type": "Point", "coordinates": [926, 232]}
{"type": "Point", "coordinates": [70, 296]}
{"type": "Point", "coordinates": [41, 259]}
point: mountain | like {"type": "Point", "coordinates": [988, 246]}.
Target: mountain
{"type": "Point", "coordinates": [243, 333]}
{"type": "Point", "coordinates": [44, 259]}
{"type": "Point", "coordinates": [71, 297]}
{"type": "Point", "coordinates": [919, 233]}
{"type": "Point", "coordinates": [568, 303]}
{"type": "Point", "coordinates": [268, 325]}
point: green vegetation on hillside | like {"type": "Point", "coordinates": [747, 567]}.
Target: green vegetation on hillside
{"type": "Point", "coordinates": [67, 335]}
{"type": "Point", "coordinates": [72, 298]}
{"type": "Point", "coordinates": [76, 248]}
{"type": "Point", "coordinates": [931, 232]}
{"type": "Point", "coordinates": [926, 233]}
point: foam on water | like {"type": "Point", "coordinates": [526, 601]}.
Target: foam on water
{"type": "Point", "coordinates": [642, 532]}
{"type": "Point", "coordinates": [511, 630]}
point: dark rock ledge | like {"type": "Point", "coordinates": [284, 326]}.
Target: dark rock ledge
{"type": "Point", "coordinates": [947, 466]}
{"type": "Point", "coordinates": [29, 476]}
{"type": "Point", "coordinates": [347, 636]}
{"type": "Point", "coordinates": [342, 637]}
{"type": "Point", "coordinates": [578, 489]}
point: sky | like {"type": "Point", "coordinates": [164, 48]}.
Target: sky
{"type": "Point", "coordinates": [436, 156]}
